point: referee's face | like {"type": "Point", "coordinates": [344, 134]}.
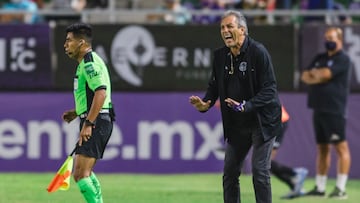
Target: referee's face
{"type": "Point", "coordinates": [72, 46]}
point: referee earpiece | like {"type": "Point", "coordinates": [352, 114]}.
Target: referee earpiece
{"type": "Point", "coordinates": [80, 44]}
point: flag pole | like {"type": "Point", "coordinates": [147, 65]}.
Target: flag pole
{"type": "Point", "coordinates": [73, 151]}
{"type": "Point", "coordinates": [61, 179]}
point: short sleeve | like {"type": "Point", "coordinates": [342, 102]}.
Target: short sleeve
{"type": "Point", "coordinates": [339, 65]}
{"type": "Point", "coordinates": [93, 74]}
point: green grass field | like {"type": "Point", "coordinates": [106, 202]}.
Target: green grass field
{"type": "Point", "coordinates": [139, 188]}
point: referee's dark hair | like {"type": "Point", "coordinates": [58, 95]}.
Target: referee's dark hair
{"type": "Point", "coordinates": [81, 30]}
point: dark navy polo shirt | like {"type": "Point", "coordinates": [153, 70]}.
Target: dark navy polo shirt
{"type": "Point", "coordinates": [331, 96]}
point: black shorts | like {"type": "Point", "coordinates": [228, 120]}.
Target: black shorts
{"type": "Point", "coordinates": [329, 128]}
{"type": "Point", "coordinates": [100, 136]}
{"type": "Point", "coordinates": [279, 138]}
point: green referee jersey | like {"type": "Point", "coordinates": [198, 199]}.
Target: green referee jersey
{"type": "Point", "coordinates": [91, 75]}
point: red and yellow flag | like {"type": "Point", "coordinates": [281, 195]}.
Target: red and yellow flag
{"type": "Point", "coordinates": [62, 178]}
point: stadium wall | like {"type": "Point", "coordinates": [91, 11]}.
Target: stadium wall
{"type": "Point", "coordinates": [153, 69]}
{"type": "Point", "coordinates": [156, 57]}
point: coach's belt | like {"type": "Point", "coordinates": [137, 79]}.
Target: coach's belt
{"type": "Point", "coordinates": [84, 115]}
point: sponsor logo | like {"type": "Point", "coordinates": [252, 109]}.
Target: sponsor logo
{"type": "Point", "coordinates": [330, 63]}
{"type": "Point", "coordinates": [133, 45]}
{"type": "Point", "coordinates": [134, 49]}
{"type": "Point", "coordinates": [334, 137]}
{"type": "Point", "coordinates": [21, 54]}
{"type": "Point", "coordinates": [155, 140]}
{"type": "Point", "coordinates": [89, 69]}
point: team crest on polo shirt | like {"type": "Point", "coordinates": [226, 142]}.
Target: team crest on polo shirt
{"type": "Point", "coordinates": [242, 66]}
{"type": "Point", "coordinates": [330, 63]}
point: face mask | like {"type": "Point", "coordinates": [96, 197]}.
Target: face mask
{"type": "Point", "coordinates": [330, 45]}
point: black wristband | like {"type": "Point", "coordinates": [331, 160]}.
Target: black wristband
{"type": "Point", "coordinates": [89, 123]}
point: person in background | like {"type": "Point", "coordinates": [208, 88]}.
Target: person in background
{"type": "Point", "coordinates": [209, 5]}
{"type": "Point", "coordinates": [354, 5]}
{"type": "Point", "coordinates": [78, 5]}
{"type": "Point", "coordinates": [330, 5]}
{"type": "Point", "coordinates": [244, 81]}
{"type": "Point", "coordinates": [344, 18]}
{"type": "Point", "coordinates": [30, 17]}
{"type": "Point", "coordinates": [61, 4]}
{"type": "Point", "coordinates": [91, 4]}
{"type": "Point", "coordinates": [266, 5]}
{"type": "Point", "coordinates": [92, 94]}
{"type": "Point", "coordinates": [175, 13]}
{"type": "Point", "coordinates": [328, 78]}
{"type": "Point", "coordinates": [40, 3]}
{"type": "Point", "coordinates": [292, 177]}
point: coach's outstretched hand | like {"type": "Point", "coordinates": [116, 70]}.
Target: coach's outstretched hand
{"type": "Point", "coordinates": [199, 104]}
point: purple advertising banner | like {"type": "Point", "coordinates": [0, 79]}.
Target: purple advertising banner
{"type": "Point", "coordinates": [25, 57]}
{"type": "Point", "coordinates": [153, 133]}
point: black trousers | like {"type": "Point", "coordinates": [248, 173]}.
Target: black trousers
{"type": "Point", "coordinates": [236, 151]}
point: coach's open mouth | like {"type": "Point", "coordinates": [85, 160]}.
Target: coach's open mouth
{"type": "Point", "coordinates": [228, 36]}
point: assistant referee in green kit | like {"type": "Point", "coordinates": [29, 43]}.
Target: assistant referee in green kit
{"type": "Point", "coordinates": [92, 94]}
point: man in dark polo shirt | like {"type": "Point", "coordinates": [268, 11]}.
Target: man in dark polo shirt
{"type": "Point", "coordinates": [244, 80]}
{"type": "Point", "coordinates": [328, 78]}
